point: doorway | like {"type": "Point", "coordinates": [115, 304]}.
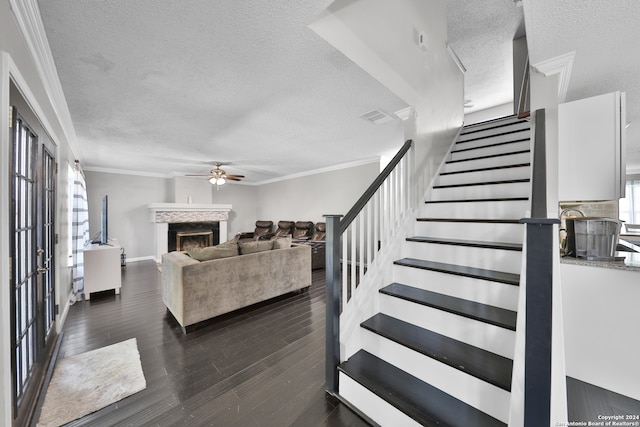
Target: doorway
{"type": "Point", "coordinates": [32, 251]}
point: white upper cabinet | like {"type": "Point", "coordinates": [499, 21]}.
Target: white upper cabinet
{"type": "Point", "coordinates": [592, 148]}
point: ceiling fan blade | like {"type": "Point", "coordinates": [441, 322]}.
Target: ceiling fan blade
{"type": "Point", "coordinates": [232, 178]}
{"type": "Point", "coordinates": [197, 174]}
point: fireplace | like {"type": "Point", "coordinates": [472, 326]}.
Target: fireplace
{"type": "Point", "coordinates": [186, 240]}
{"type": "Point", "coordinates": [186, 235]}
{"type": "Point", "coordinates": [189, 217]}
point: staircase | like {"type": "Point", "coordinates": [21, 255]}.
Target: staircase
{"type": "Point", "coordinates": [440, 349]}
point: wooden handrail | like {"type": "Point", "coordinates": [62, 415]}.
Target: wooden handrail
{"type": "Point", "coordinates": [366, 196]}
{"type": "Point", "coordinates": [524, 93]}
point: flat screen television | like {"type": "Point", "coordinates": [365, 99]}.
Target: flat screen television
{"type": "Point", "coordinates": [104, 221]}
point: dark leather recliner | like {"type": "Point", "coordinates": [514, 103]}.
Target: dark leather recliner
{"type": "Point", "coordinates": [285, 228]}
{"type": "Point", "coordinates": [263, 230]}
{"type": "Point", "coordinates": [320, 232]}
{"type": "Point", "coordinates": [303, 230]}
{"type": "Point", "coordinates": [318, 246]}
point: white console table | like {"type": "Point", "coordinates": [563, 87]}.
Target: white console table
{"type": "Point", "coordinates": [102, 269]}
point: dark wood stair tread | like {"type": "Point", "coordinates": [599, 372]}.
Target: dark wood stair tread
{"type": "Point", "coordinates": [492, 168]}
{"type": "Point", "coordinates": [469, 129]}
{"type": "Point", "coordinates": [459, 270]}
{"type": "Point", "coordinates": [492, 199]}
{"type": "Point", "coordinates": [480, 147]}
{"type": "Point", "coordinates": [473, 310]}
{"type": "Point", "coordinates": [469, 243]}
{"type": "Point", "coordinates": [472, 184]}
{"type": "Point", "coordinates": [482, 364]}
{"type": "Point", "coordinates": [472, 220]}
{"type": "Point", "coordinates": [488, 156]}
{"type": "Point", "coordinates": [494, 135]}
{"type": "Point", "coordinates": [424, 403]}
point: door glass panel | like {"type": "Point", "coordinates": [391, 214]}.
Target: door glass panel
{"type": "Point", "coordinates": [47, 241]}
{"type": "Point", "coordinates": [24, 281]}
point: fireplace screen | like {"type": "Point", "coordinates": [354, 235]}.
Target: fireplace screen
{"type": "Point", "coordinates": [193, 239]}
{"type": "Point", "coordinates": [185, 235]}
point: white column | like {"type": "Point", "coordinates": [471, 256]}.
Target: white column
{"type": "Point", "coordinates": [162, 239]}
{"type": "Point", "coordinates": [222, 229]}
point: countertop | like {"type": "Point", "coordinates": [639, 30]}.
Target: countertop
{"type": "Point", "coordinates": [631, 262]}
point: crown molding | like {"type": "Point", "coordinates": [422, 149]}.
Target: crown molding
{"type": "Point", "coordinates": [126, 172]}
{"type": "Point", "coordinates": [562, 65]}
{"type": "Point", "coordinates": [27, 16]}
{"type": "Point", "coordinates": [268, 181]}
{"type": "Point", "coordinates": [341, 166]}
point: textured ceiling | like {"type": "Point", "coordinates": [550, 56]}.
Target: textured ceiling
{"type": "Point", "coordinates": [167, 86]}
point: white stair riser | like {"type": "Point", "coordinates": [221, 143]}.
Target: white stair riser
{"type": "Point", "coordinates": [483, 291]}
{"type": "Point", "coordinates": [508, 233]}
{"type": "Point", "coordinates": [473, 141]}
{"type": "Point", "coordinates": [509, 159]}
{"type": "Point", "coordinates": [490, 259]}
{"type": "Point", "coordinates": [488, 151]}
{"type": "Point", "coordinates": [523, 172]}
{"type": "Point", "coordinates": [477, 210]}
{"type": "Point", "coordinates": [373, 406]}
{"type": "Point", "coordinates": [518, 189]}
{"type": "Point", "coordinates": [490, 129]}
{"type": "Point", "coordinates": [467, 388]}
{"type": "Point", "coordinates": [492, 338]}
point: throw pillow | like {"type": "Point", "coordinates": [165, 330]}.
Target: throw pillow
{"type": "Point", "coordinates": [224, 250]}
{"type": "Point", "coordinates": [282, 243]}
{"type": "Point", "coordinates": [255, 246]}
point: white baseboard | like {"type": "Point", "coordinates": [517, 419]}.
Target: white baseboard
{"type": "Point", "coordinates": [142, 258]}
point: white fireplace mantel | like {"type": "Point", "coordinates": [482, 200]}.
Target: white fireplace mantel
{"type": "Point", "coordinates": [162, 214]}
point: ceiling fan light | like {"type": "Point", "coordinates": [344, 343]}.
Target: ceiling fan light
{"type": "Point", "coordinates": [220, 181]}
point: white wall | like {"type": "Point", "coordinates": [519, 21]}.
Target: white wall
{"type": "Point", "coordinates": [309, 198]}
{"type": "Point", "coordinates": [382, 38]}
{"type": "Point", "coordinates": [244, 210]}
{"type": "Point", "coordinates": [488, 114]}
{"type": "Point", "coordinates": [129, 218]}
{"type": "Point", "coordinates": [182, 188]}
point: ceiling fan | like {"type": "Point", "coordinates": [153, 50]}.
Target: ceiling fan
{"type": "Point", "coordinates": [218, 176]}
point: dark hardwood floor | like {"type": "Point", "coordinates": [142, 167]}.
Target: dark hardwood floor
{"type": "Point", "coordinates": [261, 366]}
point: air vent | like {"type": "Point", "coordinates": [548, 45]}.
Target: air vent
{"type": "Point", "coordinates": [377, 117]}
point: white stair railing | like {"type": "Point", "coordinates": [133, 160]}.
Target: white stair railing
{"type": "Point", "coordinates": [354, 241]}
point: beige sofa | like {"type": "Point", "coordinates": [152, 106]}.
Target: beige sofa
{"type": "Point", "coordinates": [199, 290]}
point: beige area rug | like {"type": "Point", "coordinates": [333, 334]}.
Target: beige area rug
{"type": "Point", "coordinates": [87, 382]}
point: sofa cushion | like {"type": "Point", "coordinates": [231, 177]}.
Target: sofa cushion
{"type": "Point", "coordinates": [223, 250]}
{"type": "Point", "coordinates": [254, 246]}
{"type": "Point", "coordinates": [282, 242]}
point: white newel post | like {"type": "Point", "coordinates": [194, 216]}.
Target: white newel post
{"type": "Point", "coordinates": [162, 214]}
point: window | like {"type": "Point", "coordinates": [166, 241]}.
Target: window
{"type": "Point", "coordinates": [630, 205]}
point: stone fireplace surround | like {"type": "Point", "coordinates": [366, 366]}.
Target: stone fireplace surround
{"type": "Point", "coordinates": [163, 214]}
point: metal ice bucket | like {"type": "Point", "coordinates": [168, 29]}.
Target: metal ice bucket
{"type": "Point", "coordinates": [596, 238]}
